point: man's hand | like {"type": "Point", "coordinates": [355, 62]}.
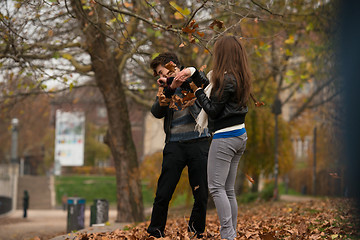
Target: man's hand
{"type": "Point", "coordinates": [163, 101]}
{"type": "Point", "coordinates": [161, 82]}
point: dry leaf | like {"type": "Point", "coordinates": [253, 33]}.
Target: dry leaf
{"type": "Point", "coordinates": [201, 34]}
{"type": "Point", "coordinates": [266, 220]}
{"type": "Point", "coordinates": [259, 104]}
{"type": "Point", "coordinates": [202, 68]}
{"type": "Point", "coordinates": [171, 67]}
{"type": "Point", "coordinates": [250, 179]}
{"type": "Point", "coordinates": [219, 24]}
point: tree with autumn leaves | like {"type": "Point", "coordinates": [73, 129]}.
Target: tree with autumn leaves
{"type": "Point", "coordinates": [68, 43]}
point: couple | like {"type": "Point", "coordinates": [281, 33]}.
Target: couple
{"type": "Point", "coordinates": [221, 108]}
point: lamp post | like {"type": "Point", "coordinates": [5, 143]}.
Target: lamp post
{"type": "Point", "coordinates": [276, 110]}
{"type": "Point", "coordinates": [314, 163]}
{"type": "Point", "coordinates": [14, 160]}
{"type": "Point", "coordinates": [14, 140]}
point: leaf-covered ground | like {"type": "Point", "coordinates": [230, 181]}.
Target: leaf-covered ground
{"type": "Point", "coordinates": [316, 219]}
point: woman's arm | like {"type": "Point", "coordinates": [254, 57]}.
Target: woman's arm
{"type": "Point", "coordinates": [214, 106]}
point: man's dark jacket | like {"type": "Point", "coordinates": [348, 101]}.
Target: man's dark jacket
{"type": "Point", "coordinates": [164, 111]}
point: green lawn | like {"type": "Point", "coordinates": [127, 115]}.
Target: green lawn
{"type": "Point", "coordinates": [99, 187]}
{"type": "Point", "coordinates": [88, 187]}
{"type": "Point", "coordinates": [104, 187]}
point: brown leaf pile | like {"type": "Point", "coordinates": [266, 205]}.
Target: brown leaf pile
{"type": "Point", "coordinates": [317, 219]}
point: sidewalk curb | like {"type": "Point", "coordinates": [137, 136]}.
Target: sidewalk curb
{"type": "Point", "coordinates": [96, 229]}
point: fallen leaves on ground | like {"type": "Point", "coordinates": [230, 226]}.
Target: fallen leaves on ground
{"type": "Point", "coordinates": [315, 219]}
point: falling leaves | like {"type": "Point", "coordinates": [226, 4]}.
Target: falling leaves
{"type": "Point", "coordinates": [201, 69]}
{"type": "Point", "coordinates": [290, 40]}
{"type": "Point", "coordinates": [216, 23]}
{"type": "Point", "coordinates": [259, 104]}
{"type": "Point", "coordinates": [256, 102]}
{"type": "Point", "coordinates": [171, 67]}
{"type": "Point", "coordinates": [50, 33]}
{"type": "Point", "coordinates": [250, 179]}
{"type": "Point", "coordinates": [191, 29]}
{"type": "Point", "coordinates": [162, 98]}
{"type": "Point", "coordinates": [176, 102]}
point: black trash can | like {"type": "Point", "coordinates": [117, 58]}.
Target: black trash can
{"type": "Point", "coordinates": [99, 212]}
{"type": "Point", "coordinates": [5, 204]}
{"type": "Point", "coordinates": [76, 214]}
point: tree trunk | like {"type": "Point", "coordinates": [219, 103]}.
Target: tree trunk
{"type": "Point", "coordinates": [119, 138]}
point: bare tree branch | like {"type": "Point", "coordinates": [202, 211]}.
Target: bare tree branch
{"type": "Point", "coordinates": [306, 104]}
{"type": "Point", "coordinates": [166, 28]}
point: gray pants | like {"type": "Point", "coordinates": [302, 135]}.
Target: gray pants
{"type": "Point", "coordinates": [223, 160]}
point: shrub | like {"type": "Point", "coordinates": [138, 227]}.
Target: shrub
{"type": "Point", "coordinates": [268, 192]}
{"type": "Point", "coordinates": [248, 197]}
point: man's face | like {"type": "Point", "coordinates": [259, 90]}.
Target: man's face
{"type": "Point", "coordinates": [164, 72]}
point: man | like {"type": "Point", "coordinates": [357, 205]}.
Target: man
{"type": "Point", "coordinates": [183, 147]}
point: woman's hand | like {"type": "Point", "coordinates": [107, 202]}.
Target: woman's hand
{"type": "Point", "coordinates": [183, 75]}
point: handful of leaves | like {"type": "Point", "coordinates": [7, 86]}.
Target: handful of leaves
{"type": "Point", "coordinates": [175, 101]}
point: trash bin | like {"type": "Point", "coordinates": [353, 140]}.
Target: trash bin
{"type": "Point", "coordinates": [99, 213]}
{"type": "Point", "coordinates": [76, 214]}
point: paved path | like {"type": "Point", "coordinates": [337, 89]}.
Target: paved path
{"type": "Point", "coordinates": [46, 224]}
{"type": "Point", "coordinates": [293, 198]}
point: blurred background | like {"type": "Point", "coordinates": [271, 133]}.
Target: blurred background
{"type": "Point", "coordinates": [76, 91]}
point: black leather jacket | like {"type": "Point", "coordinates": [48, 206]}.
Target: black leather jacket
{"type": "Point", "coordinates": [223, 112]}
{"type": "Point", "coordinates": [167, 113]}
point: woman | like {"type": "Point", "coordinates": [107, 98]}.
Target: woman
{"type": "Point", "coordinates": [230, 85]}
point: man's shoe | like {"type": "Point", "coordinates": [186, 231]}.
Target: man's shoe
{"type": "Point", "coordinates": [199, 235]}
{"type": "Point", "coordinates": [157, 234]}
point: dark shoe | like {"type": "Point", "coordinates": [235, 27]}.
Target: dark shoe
{"type": "Point", "coordinates": [156, 234]}
{"type": "Point", "coordinates": [199, 235]}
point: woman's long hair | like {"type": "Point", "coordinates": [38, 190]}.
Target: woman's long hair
{"type": "Point", "coordinates": [230, 58]}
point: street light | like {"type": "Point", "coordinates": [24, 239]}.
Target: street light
{"type": "Point", "coordinates": [276, 110]}
{"type": "Point", "coordinates": [14, 140]}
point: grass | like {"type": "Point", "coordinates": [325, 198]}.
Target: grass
{"type": "Point", "coordinates": [87, 187]}
{"type": "Point", "coordinates": [265, 194]}
{"type": "Point", "coordinates": [104, 187]}
{"type": "Point", "coordinates": [100, 187]}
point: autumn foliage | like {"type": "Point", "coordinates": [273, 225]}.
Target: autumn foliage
{"type": "Point", "coordinates": [315, 219]}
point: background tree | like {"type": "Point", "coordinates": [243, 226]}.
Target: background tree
{"type": "Point", "coordinates": [73, 41]}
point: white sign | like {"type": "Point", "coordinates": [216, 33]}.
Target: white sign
{"type": "Point", "coordinates": [69, 138]}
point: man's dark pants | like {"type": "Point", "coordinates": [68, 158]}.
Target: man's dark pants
{"type": "Point", "coordinates": [177, 155]}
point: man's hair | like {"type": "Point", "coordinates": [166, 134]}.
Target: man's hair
{"type": "Point", "coordinates": [163, 59]}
